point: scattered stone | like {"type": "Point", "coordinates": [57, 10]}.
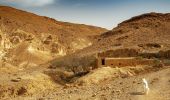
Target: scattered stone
{"type": "Point", "coordinates": [41, 99]}
{"type": "Point", "coordinates": [16, 80]}
{"type": "Point", "coordinates": [127, 86]}
{"type": "Point", "coordinates": [94, 95]}
{"type": "Point", "coordinates": [121, 83]}
{"type": "Point", "coordinates": [69, 96]}
{"type": "Point", "coordinates": [21, 91]}
{"type": "Point", "coordinates": [71, 91]}
{"type": "Point", "coordinates": [118, 91]}
{"type": "Point", "coordinates": [67, 86]}
{"type": "Point", "coordinates": [102, 94]}
{"type": "Point", "coordinates": [75, 90]}
{"type": "Point", "coordinates": [122, 90]}
{"type": "Point", "coordinates": [113, 91]}
{"type": "Point", "coordinates": [105, 88]}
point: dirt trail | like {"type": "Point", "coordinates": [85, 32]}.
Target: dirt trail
{"type": "Point", "coordinates": [159, 86]}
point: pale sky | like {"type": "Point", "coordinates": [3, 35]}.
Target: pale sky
{"type": "Point", "coordinates": [102, 13]}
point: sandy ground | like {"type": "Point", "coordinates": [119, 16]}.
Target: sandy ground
{"type": "Point", "coordinates": [121, 89]}
{"type": "Point", "coordinates": [34, 84]}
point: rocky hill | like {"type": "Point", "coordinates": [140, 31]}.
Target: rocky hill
{"type": "Point", "coordinates": [47, 37]}
{"type": "Point", "coordinates": [148, 32]}
{"type": "Point", "coordinates": [41, 58]}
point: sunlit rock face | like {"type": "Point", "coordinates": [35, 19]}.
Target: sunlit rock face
{"type": "Point", "coordinates": [27, 39]}
{"type": "Point", "coordinates": [22, 47]}
{"type": "Point", "coordinates": [80, 44]}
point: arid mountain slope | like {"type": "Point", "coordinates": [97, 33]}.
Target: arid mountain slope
{"type": "Point", "coordinates": [52, 38]}
{"type": "Point", "coordinates": [148, 32]}
{"type": "Point", "coordinates": [29, 44]}
{"type": "Point", "coordinates": [27, 26]}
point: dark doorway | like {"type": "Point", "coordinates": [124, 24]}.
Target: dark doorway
{"type": "Point", "coordinates": [103, 61]}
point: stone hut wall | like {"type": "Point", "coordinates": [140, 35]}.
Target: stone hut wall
{"type": "Point", "coordinates": [122, 62]}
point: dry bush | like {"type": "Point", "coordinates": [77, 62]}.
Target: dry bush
{"type": "Point", "coordinates": [158, 64]}
{"type": "Point", "coordinates": [75, 63]}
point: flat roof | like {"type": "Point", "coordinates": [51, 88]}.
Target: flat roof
{"type": "Point", "coordinates": [121, 58]}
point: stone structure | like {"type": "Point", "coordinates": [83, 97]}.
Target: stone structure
{"type": "Point", "coordinates": [122, 58]}
{"type": "Point", "coordinates": [122, 62]}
